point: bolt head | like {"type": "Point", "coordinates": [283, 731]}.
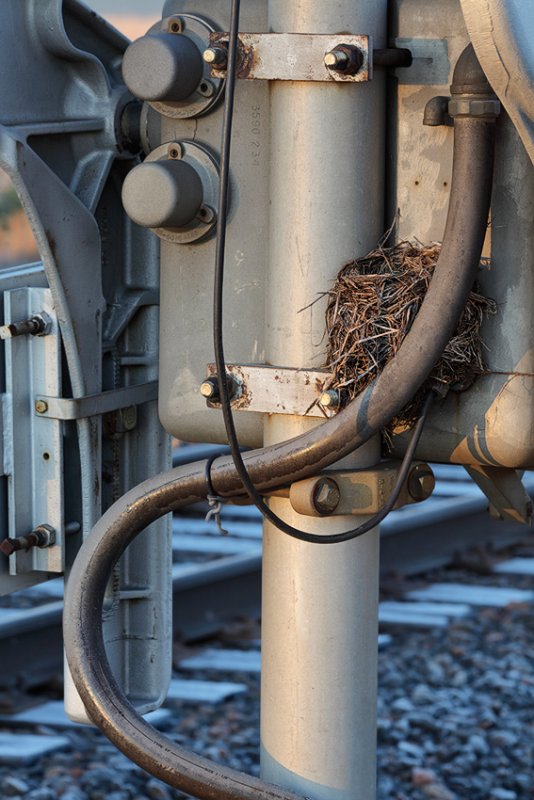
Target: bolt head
{"type": "Point", "coordinates": [41, 406]}
{"type": "Point", "coordinates": [326, 496]}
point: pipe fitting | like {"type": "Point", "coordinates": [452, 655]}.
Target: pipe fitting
{"type": "Point", "coordinates": [472, 95]}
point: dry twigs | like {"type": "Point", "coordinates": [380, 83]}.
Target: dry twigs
{"type": "Point", "coordinates": [371, 308]}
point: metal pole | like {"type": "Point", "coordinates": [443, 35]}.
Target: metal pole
{"type": "Point", "coordinates": [318, 714]}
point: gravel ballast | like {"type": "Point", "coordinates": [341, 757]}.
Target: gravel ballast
{"type": "Point", "coordinates": [455, 719]}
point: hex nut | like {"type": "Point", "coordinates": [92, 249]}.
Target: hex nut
{"type": "Point", "coordinates": [41, 406]}
{"type": "Point", "coordinates": [326, 496]}
{"type": "Point", "coordinates": [346, 59]}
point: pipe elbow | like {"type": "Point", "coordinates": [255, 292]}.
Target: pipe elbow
{"type": "Point", "coordinates": [469, 77]}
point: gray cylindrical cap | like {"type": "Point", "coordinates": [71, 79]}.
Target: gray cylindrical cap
{"type": "Point", "coordinates": [162, 194]}
{"type": "Point", "coordinates": [163, 67]}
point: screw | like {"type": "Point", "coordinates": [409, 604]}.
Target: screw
{"type": "Point", "coordinates": [41, 406]}
{"type": "Point", "coordinates": [216, 56]}
{"type": "Point", "coordinates": [326, 496]}
{"type": "Point", "coordinates": [175, 150]}
{"type": "Point", "coordinates": [206, 214]}
{"type": "Point", "coordinates": [330, 399]}
{"type": "Point", "coordinates": [206, 89]}
{"type": "Point", "coordinates": [175, 25]}
{"type": "Point", "coordinates": [421, 482]}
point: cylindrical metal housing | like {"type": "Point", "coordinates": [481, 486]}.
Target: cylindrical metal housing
{"type": "Point", "coordinates": [162, 194]}
{"type": "Point", "coordinates": [319, 628]}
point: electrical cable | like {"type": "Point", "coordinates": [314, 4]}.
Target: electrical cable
{"type": "Point", "coordinates": [220, 361]}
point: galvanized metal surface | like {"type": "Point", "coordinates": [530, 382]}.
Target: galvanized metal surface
{"type": "Point", "coordinates": [61, 137]}
{"type": "Point", "coordinates": [187, 272]}
{"type": "Point", "coordinates": [327, 190]}
{"type": "Point", "coordinates": [113, 400]}
{"type": "Point", "coordinates": [33, 448]}
{"type": "Point", "coordinates": [502, 32]}
{"type": "Point", "coordinates": [295, 56]}
{"type": "Point", "coordinates": [492, 423]}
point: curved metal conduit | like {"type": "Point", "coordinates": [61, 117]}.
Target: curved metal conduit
{"type": "Point", "coordinates": [275, 466]}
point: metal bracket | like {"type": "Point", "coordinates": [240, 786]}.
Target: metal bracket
{"type": "Point", "coordinates": [504, 489]}
{"type": "Point", "coordinates": [295, 56]}
{"type": "Point", "coordinates": [358, 492]}
{"type": "Point", "coordinates": [95, 404]}
{"type": "Point", "coordinates": [275, 390]}
{"type": "Point", "coordinates": [33, 451]}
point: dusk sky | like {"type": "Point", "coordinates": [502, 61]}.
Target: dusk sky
{"type": "Point", "coordinates": [132, 17]}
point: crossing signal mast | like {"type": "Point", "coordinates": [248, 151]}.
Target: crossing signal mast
{"type": "Point", "coordinates": [193, 196]}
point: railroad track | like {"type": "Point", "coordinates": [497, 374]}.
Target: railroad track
{"type": "Point", "coordinates": [216, 578]}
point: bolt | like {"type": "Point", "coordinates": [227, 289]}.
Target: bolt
{"type": "Point", "coordinates": [41, 536]}
{"type": "Point", "coordinates": [38, 325]}
{"type": "Point", "coordinates": [421, 482]}
{"type": "Point", "coordinates": [206, 89]}
{"type": "Point", "coordinates": [206, 214]}
{"type": "Point", "coordinates": [210, 387]}
{"type": "Point", "coordinates": [330, 399]}
{"type": "Point", "coordinates": [175, 25]}
{"type": "Point", "coordinates": [345, 58]}
{"type": "Point", "coordinates": [336, 59]}
{"type": "Point", "coordinates": [175, 150]}
{"type": "Point", "coordinates": [216, 56]}
{"type": "Point", "coordinates": [129, 418]}
{"type": "Point", "coordinates": [41, 406]}
{"type": "Point", "coordinates": [326, 496]}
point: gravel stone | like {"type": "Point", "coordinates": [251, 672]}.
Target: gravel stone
{"type": "Point", "coordinates": [14, 787]}
{"type": "Point", "coordinates": [455, 720]}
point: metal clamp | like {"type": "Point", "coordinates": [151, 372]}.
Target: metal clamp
{"type": "Point", "coordinates": [94, 405]}
{"type": "Point", "coordinates": [358, 492]}
{"type": "Point", "coordinates": [295, 57]}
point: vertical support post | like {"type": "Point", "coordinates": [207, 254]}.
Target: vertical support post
{"type": "Point", "coordinates": [318, 730]}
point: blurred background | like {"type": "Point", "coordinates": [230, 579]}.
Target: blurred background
{"type": "Point", "coordinates": [17, 245]}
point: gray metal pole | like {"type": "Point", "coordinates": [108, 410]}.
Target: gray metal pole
{"type": "Point", "coordinates": [318, 731]}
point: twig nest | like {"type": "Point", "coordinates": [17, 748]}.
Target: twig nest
{"type": "Point", "coordinates": [371, 309]}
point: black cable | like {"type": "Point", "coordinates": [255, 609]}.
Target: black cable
{"type": "Point", "coordinates": [220, 360]}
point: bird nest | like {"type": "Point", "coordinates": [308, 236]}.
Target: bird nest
{"type": "Point", "coordinates": [371, 308]}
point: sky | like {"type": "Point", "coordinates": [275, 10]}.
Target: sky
{"type": "Point", "coordinates": [132, 17]}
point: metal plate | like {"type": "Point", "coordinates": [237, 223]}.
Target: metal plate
{"type": "Point", "coordinates": [33, 447]}
{"type": "Point", "coordinates": [276, 390]}
{"type": "Point", "coordinates": [294, 56]}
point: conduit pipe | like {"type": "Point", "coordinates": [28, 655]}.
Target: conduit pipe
{"type": "Point", "coordinates": [275, 466]}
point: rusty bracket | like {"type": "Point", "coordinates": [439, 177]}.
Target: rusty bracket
{"type": "Point", "coordinates": [275, 390]}
{"type": "Point", "coordinates": [358, 492]}
{"type": "Point", "coordinates": [294, 57]}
